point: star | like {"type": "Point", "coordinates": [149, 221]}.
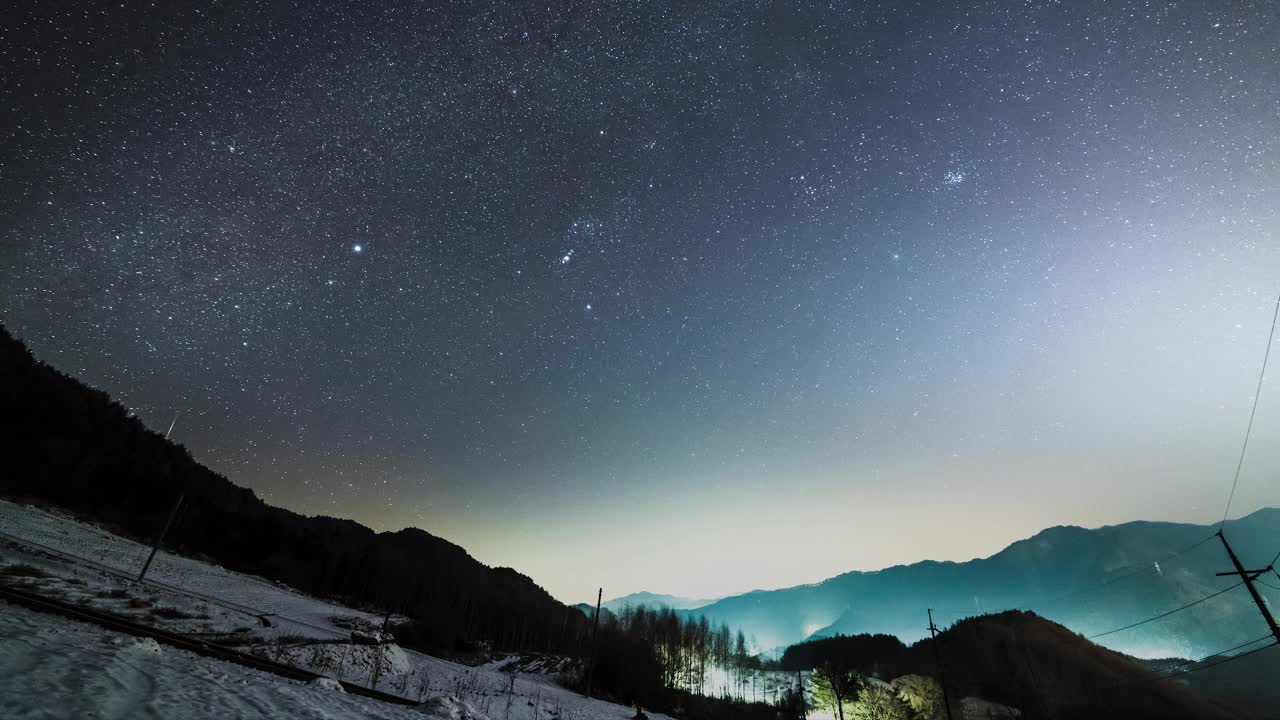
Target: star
{"type": "Point", "coordinates": [357, 248]}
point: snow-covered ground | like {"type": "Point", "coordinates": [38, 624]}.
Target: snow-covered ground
{"type": "Point", "coordinates": [51, 667]}
{"type": "Point", "coordinates": [63, 534]}
{"type": "Point", "coordinates": [90, 668]}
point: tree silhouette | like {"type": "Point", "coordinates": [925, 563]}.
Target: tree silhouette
{"type": "Point", "coordinates": [834, 685]}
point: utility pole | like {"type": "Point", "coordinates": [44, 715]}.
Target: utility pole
{"type": "Point", "coordinates": [937, 656]}
{"type": "Point", "coordinates": [804, 708]}
{"type": "Point", "coordinates": [595, 629]}
{"type": "Point", "coordinates": [1248, 576]}
{"type": "Point", "coordinates": [172, 513]}
{"type": "Point", "coordinates": [564, 630]}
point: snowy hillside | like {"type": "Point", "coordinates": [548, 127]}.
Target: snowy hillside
{"type": "Point", "coordinates": [51, 667]}
{"type": "Point", "coordinates": [42, 656]}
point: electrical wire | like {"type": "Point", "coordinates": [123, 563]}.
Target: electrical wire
{"type": "Point", "coordinates": [1220, 653]}
{"type": "Point", "coordinates": [1249, 428]}
{"type": "Point", "coordinates": [1224, 661]}
{"type": "Point", "coordinates": [1191, 666]}
{"type": "Point", "coordinates": [1138, 569]}
{"type": "Point", "coordinates": [1166, 614]}
{"type": "Point", "coordinates": [1143, 568]}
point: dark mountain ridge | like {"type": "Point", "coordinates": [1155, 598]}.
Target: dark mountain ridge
{"type": "Point", "coordinates": [69, 445]}
{"type": "Point", "coordinates": [1021, 660]}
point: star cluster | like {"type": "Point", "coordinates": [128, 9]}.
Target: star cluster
{"type": "Point", "coordinates": [553, 280]}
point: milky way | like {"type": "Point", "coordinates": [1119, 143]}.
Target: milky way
{"type": "Point", "coordinates": [688, 297]}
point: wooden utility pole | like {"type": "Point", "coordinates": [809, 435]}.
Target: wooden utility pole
{"type": "Point", "coordinates": [595, 629]}
{"type": "Point", "coordinates": [564, 631]}
{"type": "Point", "coordinates": [173, 512]}
{"type": "Point", "coordinates": [937, 657]}
{"type": "Point", "coordinates": [1248, 576]}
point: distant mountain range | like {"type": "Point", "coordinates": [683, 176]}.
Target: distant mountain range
{"type": "Point", "coordinates": [1090, 580]}
{"type": "Point", "coordinates": [675, 602]}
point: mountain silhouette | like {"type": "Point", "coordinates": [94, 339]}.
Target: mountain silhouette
{"type": "Point", "coordinates": [69, 445]}
{"type": "Point", "coordinates": [655, 600]}
{"type": "Point", "coordinates": [1089, 580]}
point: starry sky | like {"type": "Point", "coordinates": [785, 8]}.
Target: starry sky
{"type": "Point", "coordinates": [683, 297]}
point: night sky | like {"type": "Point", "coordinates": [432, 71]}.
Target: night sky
{"type": "Point", "coordinates": [684, 297]}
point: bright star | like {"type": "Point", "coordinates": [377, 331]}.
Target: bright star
{"type": "Point", "coordinates": [357, 248]}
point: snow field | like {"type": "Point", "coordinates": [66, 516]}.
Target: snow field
{"type": "Point", "coordinates": [305, 632]}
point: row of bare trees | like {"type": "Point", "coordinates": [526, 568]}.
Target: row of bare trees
{"type": "Point", "coordinates": [690, 649]}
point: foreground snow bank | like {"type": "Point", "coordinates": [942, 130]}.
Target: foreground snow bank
{"type": "Point", "coordinates": [452, 708]}
{"type": "Point", "coordinates": [52, 667]}
{"type": "Point", "coordinates": [291, 611]}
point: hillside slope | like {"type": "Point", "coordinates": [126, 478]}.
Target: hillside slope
{"type": "Point", "coordinates": [1021, 660]}
{"type": "Point", "coordinates": [72, 446]}
{"type": "Point", "coordinates": [1247, 683]}
{"type": "Point", "coordinates": [50, 667]}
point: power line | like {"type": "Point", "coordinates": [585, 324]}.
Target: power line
{"type": "Point", "coordinates": [1198, 665]}
{"type": "Point", "coordinates": [1224, 661]}
{"type": "Point", "coordinates": [1166, 614]}
{"type": "Point", "coordinates": [1145, 567]}
{"type": "Point", "coordinates": [1248, 576]}
{"type": "Point", "coordinates": [1249, 428]}
{"type": "Point", "coordinates": [1219, 653]}
{"type": "Point", "coordinates": [1138, 569]}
